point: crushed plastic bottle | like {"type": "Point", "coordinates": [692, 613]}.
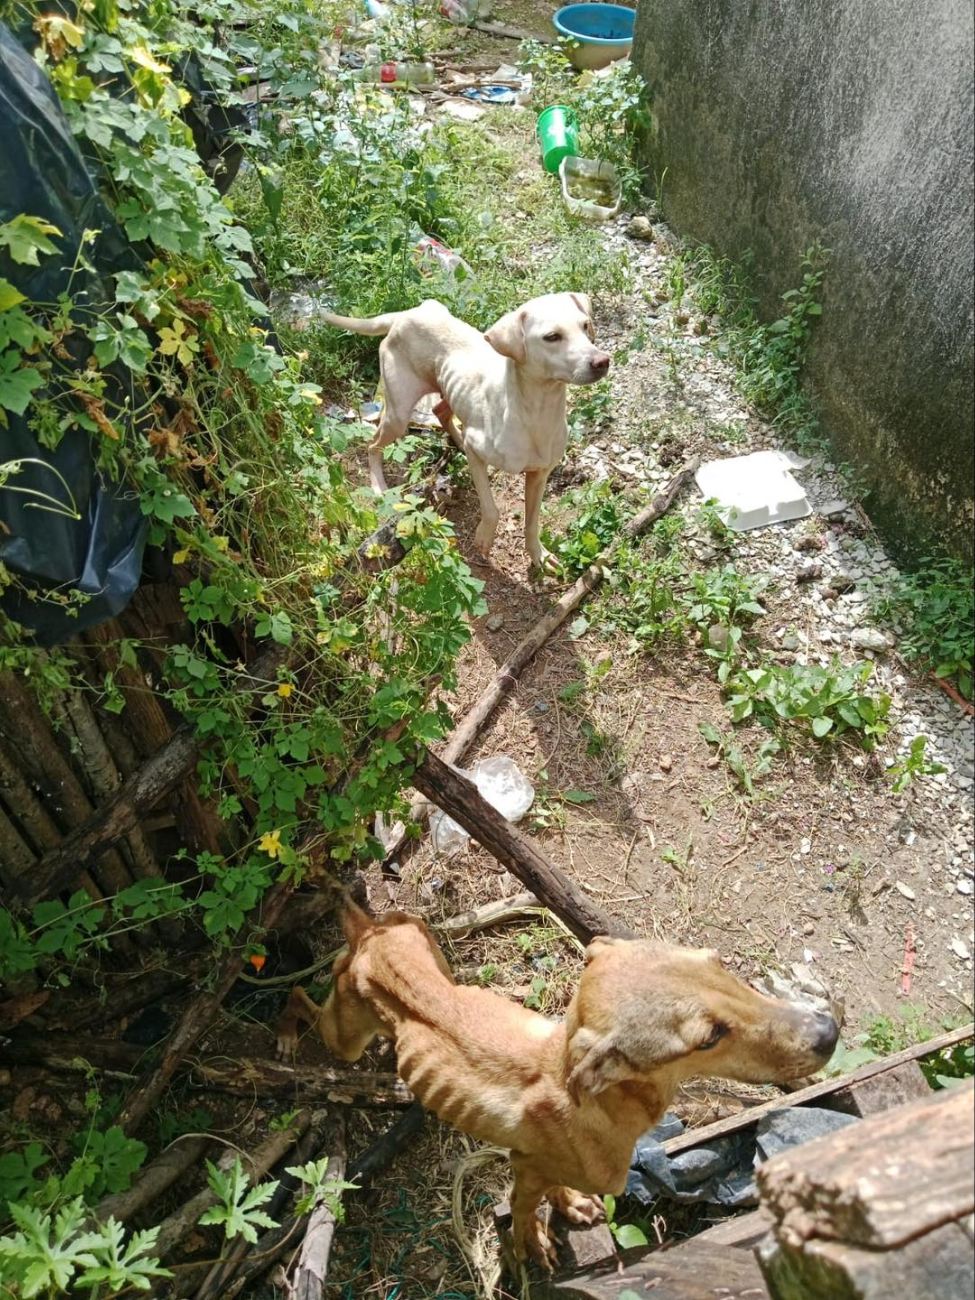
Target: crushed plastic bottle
{"type": "Point", "coordinates": [502, 784]}
{"type": "Point", "coordinates": [432, 256]}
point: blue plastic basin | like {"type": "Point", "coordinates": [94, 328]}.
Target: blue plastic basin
{"type": "Point", "coordinates": [603, 33]}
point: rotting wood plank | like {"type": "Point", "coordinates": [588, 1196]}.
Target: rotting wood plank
{"type": "Point", "coordinates": [814, 1092]}
{"type": "Point", "coordinates": [880, 1183]}
{"type": "Point", "coordinates": [684, 1273]}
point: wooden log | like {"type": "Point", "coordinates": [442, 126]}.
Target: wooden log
{"type": "Point", "coordinates": [879, 1183]}
{"type": "Point", "coordinates": [120, 997]}
{"type": "Point", "coordinates": [461, 799]}
{"type": "Point", "coordinates": [199, 1015]}
{"type": "Point", "coordinates": [15, 854]}
{"type": "Point", "coordinates": [506, 678]}
{"type": "Point", "coordinates": [71, 1052]}
{"type": "Point", "coordinates": [136, 796]}
{"type": "Point", "coordinates": [256, 1164]}
{"type": "Point", "coordinates": [815, 1092]}
{"type": "Point", "coordinates": [938, 1266]}
{"type": "Point", "coordinates": [262, 1077]}
{"type": "Point", "coordinates": [150, 1182]}
{"type": "Point", "coordinates": [28, 735]}
{"type": "Point", "coordinates": [311, 1271]}
{"type": "Point", "coordinates": [714, 1273]}
{"type": "Point", "coordinates": [513, 33]}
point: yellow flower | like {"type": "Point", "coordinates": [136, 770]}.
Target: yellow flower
{"type": "Point", "coordinates": [270, 842]}
{"type": "Point", "coordinates": [285, 689]}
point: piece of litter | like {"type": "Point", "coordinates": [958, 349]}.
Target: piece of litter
{"type": "Point", "coordinates": [906, 890]}
{"type": "Point", "coordinates": [960, 948]}
{"type": "Point", "coordinates": [502, 784]}
{"type": "Point", "coordinates": [754, 491]}
{"type": "Point", "coordinates": [805, 845]}
{"type": "Point", "coordinates": [836, 507]}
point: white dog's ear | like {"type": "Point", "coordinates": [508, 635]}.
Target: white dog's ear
{"type": "Point", "coordinates": [583, 302]}
{"type": "Point", "coordinates": [507, 336]}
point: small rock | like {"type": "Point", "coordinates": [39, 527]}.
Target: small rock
{"type": "Point", "coordinates": [805, 845]}
{"type": "Point", "coordinates": [640, 228]}
{"type": "Point", "coordinates": [495, 623]}
{"type": "Point", "coordinates": [868, 638]}
{"type": "Point", "coordinates": [960, 948]}
{"type": "Point", "coordinates": [809, 929]}
{"type": "Point", "coordinates": [836, 507]}
{"type": "Point", "coordinates": [809, 572]}
{"type": "Point", "coordinates": [666, 762]}
{"type": "Point", "coordinates": [541, 707]}
{"type": "Point", "coordinates": [810, 543]}
{"type": "Point", "coordinates": [963, 886]}
{"type": "Point", "coordinates": [906, 890]}
{"type": "Point", "coordinates": [718, 637]}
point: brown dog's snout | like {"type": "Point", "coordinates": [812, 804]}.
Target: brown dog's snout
{"type": "Point", "coordinates": [599, 363]}
{"type": "Point", "coordinates": [825, 1034]}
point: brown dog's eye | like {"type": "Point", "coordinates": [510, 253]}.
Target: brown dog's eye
{"type": "Point", "coordinates": [717, 1033]}
{"type": "Point", "coordinates": [553, 338]}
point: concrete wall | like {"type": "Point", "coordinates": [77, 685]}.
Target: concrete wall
{"type": "Point", "coordinates": [849, 121]}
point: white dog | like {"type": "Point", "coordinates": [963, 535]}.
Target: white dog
{"type": "Point", "coordinates": [506, 386]}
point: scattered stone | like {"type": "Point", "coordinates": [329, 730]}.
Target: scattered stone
{"type": "Point", "coordinates": [495, 623]}
{"type": "Point", "coordinates": [869, 638]}
{"type": "Point", "coordinates": [640, 228]}
{"type": "Point", "coordinates": [809, 929]}
{"type": "Point", "coordinates": [666, 762]}
{"type": "Point", "coordinates": [906, 890]}
{"type": "Point", "coordinates": [960, 948]}
{"type": "Point", "coordinates": [541, 707]}
{"type": "Point", "coordinates": [836, 507]}
{"type": "Point", "coordinates": [718, 637]}
{"type": "Point", "coordinates": [809, 572]}
{"type": "Point", "coordinates": [964, 886]}
{"type": "Point", "coordinates": [805, 845]}
{"type": "Point", "coordinates": [810, 542]}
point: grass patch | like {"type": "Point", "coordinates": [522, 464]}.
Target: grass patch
{"type": "Point", "coordinates": [934, 608]}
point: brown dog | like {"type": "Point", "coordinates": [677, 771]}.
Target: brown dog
{"type": "Point", "coordinates": [569, 1099]}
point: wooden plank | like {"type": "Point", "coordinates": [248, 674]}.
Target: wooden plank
{"type": "Point", "coordinates": [896, 1087]}
{"type": "Point", "coordinates": [814, 1092]}
{"type": "Point", "coordinates": [715, 1273]}
{"type": "Point", "coordinates": [938, 1266]}
{"type": "Point", "coordinates": [739, 1230]}
{"type": "Point", "coordinates": [580, 1246]}
{"type": "Point", "coordinates": [880, 1183]}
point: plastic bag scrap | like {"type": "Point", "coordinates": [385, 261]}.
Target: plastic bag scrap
{"type": "Point", "coordinates": [463, 12]}
{"type": "Point", "coordinates": [92, 541]}
{"type": "Point", "coordinates": [722, 1172]}
{"type": "Point", "coordinates": [502, 784]}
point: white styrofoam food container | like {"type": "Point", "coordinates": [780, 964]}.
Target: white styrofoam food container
{"type": "Point", "coordinates": [755, 491]}
{"type": "Point", "coordinates": [571, 167]}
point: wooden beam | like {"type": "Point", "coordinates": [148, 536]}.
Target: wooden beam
{"type": "Point", "coordinates": [684, 1273]}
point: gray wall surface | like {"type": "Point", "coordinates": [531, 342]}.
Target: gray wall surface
{"type": "Point", "coordinates": [780, 122]}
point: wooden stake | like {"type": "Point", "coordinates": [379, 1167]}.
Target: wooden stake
{"type": "Point", "coordinates": [312, 1269]}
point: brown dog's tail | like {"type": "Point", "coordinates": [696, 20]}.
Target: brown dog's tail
{"type": "Point", "coordinates": [374, 325]}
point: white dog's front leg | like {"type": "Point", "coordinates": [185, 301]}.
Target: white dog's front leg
{"type": "Point", "coordinates": [535, 481]}
{"type": "Point", "coordinates": [484, 537]}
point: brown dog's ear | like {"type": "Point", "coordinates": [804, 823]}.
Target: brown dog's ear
{"type": "Point", "coordinates": [507, 336]}
{"type": "Point", "coordinates": [599, 944]}
{"type": "Point", "coordinates": [599, 1063]}
{"type": "Point", "coordinates": [583, 302]}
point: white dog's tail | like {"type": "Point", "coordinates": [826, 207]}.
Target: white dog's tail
{"type": "Point", "coordinates": [375, 325]}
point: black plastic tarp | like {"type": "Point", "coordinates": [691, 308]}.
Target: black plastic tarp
{"type": "Point", "coordinates": [43, 174]}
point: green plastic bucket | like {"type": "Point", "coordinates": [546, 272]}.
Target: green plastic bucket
{"type": "Point", "coordinates": [558, 136]}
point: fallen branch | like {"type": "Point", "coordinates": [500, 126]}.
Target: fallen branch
{"type": "Point", "coordinates": [256, 1165]}
{"type": "Point", "coordinates": [312, 1269]}
{"type": "Point", "coordinates": [461, 799]}
{"type": "Point", "coordinates": [200, 1014]}
{"type": "Point", "coordinates": [261, 1077]}
{"type": "Point", "coordinates": [506, 678]}
{"type": "Point", "coordinates": [495, 913]}
{"type": "Point", "coordinates": [512, 33]}
{"type": "Point", "coordinates": [153, 1180]}
{"type": "Point", "coordinates": [955, 694]}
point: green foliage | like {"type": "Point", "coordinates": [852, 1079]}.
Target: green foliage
{"type": "Point", "coordinates": [322, 1190]}
{"type": "Point", "coordinates": [810, 700]}
{"type": "Point", "coordinates": [887, 1035]}
{"type": "Point", "coordinates": [601, 515]}
{"type": "Point", "coordinates": [768, 356]}
{"type": "Point", "coordinates": [48, 1253]}
{"type": "Point", "coordinates": [626, 1235]}
{"type": "Point", "coordinates": [239, 1205]}
{"type": "Point", "coordinates": [724, 596]}
{"type": "Point", "coordinates": [934, 606]}
{"type": "Point", "coordinates": [908, 767]}
{"type": "Point", "coordinates": [729, 749]}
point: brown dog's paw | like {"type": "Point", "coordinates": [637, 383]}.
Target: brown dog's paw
{"type": "Point", "coordinates": [541, 1247]}
{"type": "Point", "coordinates": [576, 1206]}
{"type": "Point", "coordinates": [286, 1042]}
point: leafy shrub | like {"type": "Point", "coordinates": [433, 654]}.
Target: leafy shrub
{"type": "Point", "coordinates": [810, 699]}
{"type": "Point", "coordinates": [935, 607]}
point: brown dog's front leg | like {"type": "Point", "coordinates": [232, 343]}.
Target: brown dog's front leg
{"type": "Point", "coordinates": [299, 1010]}
{"type": "Point", "coordinates": [530, 1238]}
